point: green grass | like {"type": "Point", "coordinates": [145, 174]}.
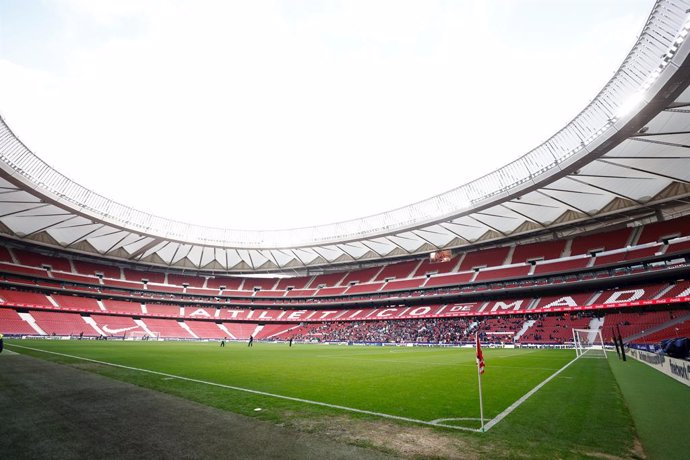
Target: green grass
{"type": "Point", "coordinates": [579, 414]}
{"type": "Point", "coordinates": [660, 407]}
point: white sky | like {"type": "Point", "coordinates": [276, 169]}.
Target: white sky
{"type": "Point", "coordinates": [269, 114]}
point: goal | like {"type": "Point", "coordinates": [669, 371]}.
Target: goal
{"type": "Point", "coordinates": [589, 342]}
{"type": "Point", "coordinates": [141, 335]}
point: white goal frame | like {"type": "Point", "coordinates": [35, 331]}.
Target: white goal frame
{"type": "Point", "coordinates": [589, 342]}
{"type": "Point", "coordinates": [142, 335]}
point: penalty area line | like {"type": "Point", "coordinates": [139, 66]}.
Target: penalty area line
{"type": "Point", "coordinates": [257, 392]}
{"type": "Point", "coordinates": [517, 403]}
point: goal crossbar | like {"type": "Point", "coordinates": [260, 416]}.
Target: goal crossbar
{"type": "Point", "coordinates": [589, 342]}
{"type": "Point", "coordinates": [143, 335]}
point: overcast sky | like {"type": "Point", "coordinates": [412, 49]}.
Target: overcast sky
{"type": "Point", "coordinates": [270, 114]}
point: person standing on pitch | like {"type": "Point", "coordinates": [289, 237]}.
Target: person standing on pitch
{"type": "Point", "coordinates": [2, 345]}
{"type": "Point", "coordinates": [222, 342]}
{"type": "Point", "coordinates": [251, 341]}
{"type": "Point", "coordinates": [290, 342]}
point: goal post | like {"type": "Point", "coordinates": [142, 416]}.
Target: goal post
{"type": "Point", "coordinates": [142, 335]}
{"type": "Point", "coordinates": [589, 342]}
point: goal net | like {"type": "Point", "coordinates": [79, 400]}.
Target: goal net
{"type": "Point", "coordinates": [589, 342]}
{"type": "Point", "coordinates": [141, 335]}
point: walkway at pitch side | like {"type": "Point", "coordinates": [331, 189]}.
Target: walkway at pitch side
{"type": "Point", "coordinates": [54, 411]}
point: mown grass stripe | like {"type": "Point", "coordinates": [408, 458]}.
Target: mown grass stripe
{"type": "Point", "coordinates": [517, 403]}
{"type": "Point", "coordinates": [257, 392]}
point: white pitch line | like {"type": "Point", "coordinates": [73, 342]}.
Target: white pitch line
{"type": "Point", "coordinates": [438, 420]}
{"type": "Point", "coordinates": [262, 393]}
{"type": "Point", "coordinates": [517, 403]}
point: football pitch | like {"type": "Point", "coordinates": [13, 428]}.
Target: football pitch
{"type": "Point", "coordinates": [578, 412]}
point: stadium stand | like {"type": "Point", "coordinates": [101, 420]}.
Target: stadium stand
{"type": "Point", "coordinates": [681, 288]}
{"type": "Point", "coordinates": [630, 323]}
{"type": "Point", "coordinates": [224, 282]}
{"type": "Point", "coordinates": [61, 323]}
{"type": "Point", "coordinates": [139, 275]}
{"type": "Point", "coordinates": [271, 330]}
{"type": "Point", "coordinates": [429, 267]}
{"type": "Point", "coordinates": [202, 291]}
{"type": "Point", "coordinates": [164, 288]}
{"type": "Point", "coordinates": [554, 329]}
{"type": "Point", "coordinates": [93, 269]}
{"type": "Point", "coordinates": [20, 298]}
{"type": "Point", "coordinates": [398, 270]}
{"type": "Point", "coordinates": [327, 280]}
{"type": "Point", "coordinates": [360, 288]}
{"type": "Point", "coordinates": [76, 302]}
{"type": "Point", "coordinates": [123, 284]}
{"type": "Point", "coordinates": [237, 293]}
{"type": "Point", "coordinates": [167, 328]}
{"type": "Point", "coordinates": [20, 269]}
{"type": "Point", "coordinates": [196, 311]}
{"type": "Point", "coordinates": [251, 284]}
{"type": "Point", "coordinates": [301, 293]}
{"type": "Point", "coordinates": [112, 325]}
{"type": "Point", "coordinates": [545, 250]}
{"type": "Point", "coordinates": [205, 329]}
{"type": "Point", "coordinates": [563, 300]}
{"type": "Point", "coordinates": [74, 278]}
{"type": "Point", "coordinates": [270, 293]}
{"type": "Point", "coordinates": [494, 274]}
{"type": "Point", "coordinates": [362, 276]}
{"type": "Point", "coordinates": [12, 323]}
{"type": "Point", "coordinates": [404, 284]}
{"type": "Point", "coordinates": [676, 246]}
{"type": "Point", "coordinates": [240, 331]}
{"type": "Point", "coordinates": [493, 257]}
{"type": "Point", "coordinates": [659, 231]}
{"type": "Point", "coordinates": [35, 259]}
{"type": "Point", "coordinates": [562, 266]}
{"type": "Point", "coordinates": [188, 280]}
{"type": "Point", "coordinates": [600, 241]}
{"type": "Point", "coordinates": [449, 279]}
{"type": "Point", "coordinates": [674, 331]}
{"type": "Point", "coordinates": [292, 283]}
{"type": "Point", "coordinates": [162, 310]}
{"type": "Point", "coordinates": [328, 291]}
{"type": "Point", "coordinates": [5, 255]}
{"type": "Point", "coordinates": [357, 305]}
{"type": "Point", "coordinates": [122, 306]}
{"type": "Point", "coordinates": [500, 329]}
{"type": "Point", "coordinates": [631, 293]}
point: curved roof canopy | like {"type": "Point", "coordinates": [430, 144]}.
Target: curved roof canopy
{"type": "Point", "coordinates": [626, 152]}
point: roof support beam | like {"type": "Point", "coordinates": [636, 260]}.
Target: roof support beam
{"type": "Point", "coordinates": [69, 217]}
{"type": "Point", "coordinates": [136, 254]}
{"type": "Point", "coordinates": [619, 195]}
{"type": "Point", "coordinates": [523, 215]}
{"type": "Point", "coordinates": [473, 216]}
{"type": "Point", "coordinates": [646, 171]}
{"type": "Point", "coordinates": [566, 204]}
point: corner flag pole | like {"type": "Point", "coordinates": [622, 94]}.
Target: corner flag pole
{"type": "Point", "coordinates": [480, 371]}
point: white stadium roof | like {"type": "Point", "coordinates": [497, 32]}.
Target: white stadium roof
{"type": "Point", "coordinates": [626, 154]}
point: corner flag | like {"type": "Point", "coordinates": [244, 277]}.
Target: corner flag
{"type": "Point", "coordinates": [480, 371]}
{"type": "Point", "coordinates": [480, 356]}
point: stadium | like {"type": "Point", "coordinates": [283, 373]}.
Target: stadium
{"type": "Point", "coordinates": [564, 272]}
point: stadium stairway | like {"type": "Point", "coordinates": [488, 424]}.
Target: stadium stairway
{"type": "Point", "coordinates": [525, 327]}
{"type": "Point", "coordinates": [32, 322]}
{"type": "Point", "coordinates": [258, 329]}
